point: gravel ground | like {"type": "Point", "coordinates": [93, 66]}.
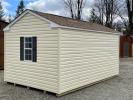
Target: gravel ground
{"type": "Point", "coordinates": [118, 88]}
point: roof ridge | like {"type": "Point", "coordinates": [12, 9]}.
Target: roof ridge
{"type": "Point", "coordinates": [55, 15]}
{"type": "Point", "coordinates": [66, 22]}
{"type": "Point", "coordinates": [62, 17]}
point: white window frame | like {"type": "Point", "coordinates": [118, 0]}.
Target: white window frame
{"type": "Point", "coordinates": [28, 48]}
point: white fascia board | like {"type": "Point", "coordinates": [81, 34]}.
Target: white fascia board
{"type": "Point", "coordinates": [54, 25]}
{"type": "Point", "coordinates": [103, 32]}
{"type": "Point", "coordinates": [7, 28]}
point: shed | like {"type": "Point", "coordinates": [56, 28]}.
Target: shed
{"type": "Point", "coordinates": [3, 24]}
{"type": "Point", "coordinates": [58, 54]}
{"type": "Point", "coordinates": [126, 48]}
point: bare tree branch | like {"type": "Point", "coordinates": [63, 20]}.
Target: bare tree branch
{"type": "Point", "coordinates": [75, 8]}
{"type": "Point", "coordinates": [107, 11]}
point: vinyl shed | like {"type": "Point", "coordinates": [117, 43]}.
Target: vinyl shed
{"type": "Point", "coordinates": [58, 54]}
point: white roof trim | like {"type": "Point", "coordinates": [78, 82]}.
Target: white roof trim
{"type": "Point", "coordinates": [7, 28]}
{"type": "Point", "coordinates": [52, 24]}
{"type": "Point", "coordinates": [80, 29]}
{"type": "Point", "coordinates": [12, 23]}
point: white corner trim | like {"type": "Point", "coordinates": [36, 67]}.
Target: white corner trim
{"type": "Point", "coordinates": [80, 29]}
{"type": "Point", "coordinates": [6, 29]}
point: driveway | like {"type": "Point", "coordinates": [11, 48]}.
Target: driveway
{"type": "Point", "coordinates": [118, 88]}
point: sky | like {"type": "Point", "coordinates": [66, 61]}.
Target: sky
{"type": "Point", "coordinates": [47, 6]}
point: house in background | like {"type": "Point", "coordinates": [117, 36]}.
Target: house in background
{"type": "Point", "coordinates": [58, 54]}
{"type": "Point", "coordinates": [3, 24]}
{"type": "Point", "coordinates": [126, 46]}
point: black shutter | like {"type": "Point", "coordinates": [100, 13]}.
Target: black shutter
{"type": "Point", "coordinates": [34, 49]}
{"type": "Point", "coordinates": [21, 48]}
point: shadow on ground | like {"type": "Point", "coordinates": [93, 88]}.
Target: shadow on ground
{"type": "Point", "coordinates": [118, 88]}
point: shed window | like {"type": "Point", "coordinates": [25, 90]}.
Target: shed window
{"type": "Point", "coordinates": [28, 48]}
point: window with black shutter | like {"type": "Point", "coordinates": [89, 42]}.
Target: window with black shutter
{"type": "Point", "coordinates": [28, 49]}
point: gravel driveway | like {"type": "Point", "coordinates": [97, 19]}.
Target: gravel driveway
{"type": "Point", "coordinates": [118, 88]}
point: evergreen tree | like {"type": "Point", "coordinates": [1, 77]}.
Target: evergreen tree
{"type": "Point", "coordinates": [1, 11]}
{"type": "Point", "coordinates": [20, 8]}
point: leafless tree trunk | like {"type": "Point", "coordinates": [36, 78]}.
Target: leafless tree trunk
{"type": "Point", "coordinates": [69, 5]}
{"type": "Point", "coordinates": [107, 11]}
{"type": "Point", "coordinates": [75, 8]}
{"type": "Point", "coordinates": [110, 11]}
{"type": "Point", "coordinates": [129, 5]}
{"type": "Point", "coordinates": [99, 10]}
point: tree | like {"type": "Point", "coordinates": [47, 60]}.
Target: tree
{"type": "Point", "coordinates": [20, 8]}
{"type": "Point", "coordinates": [119, 26]}
{"type": "Point", "coordinates": [94, 18]}
{"type": "Point", "coordinates": [75, 8]}
{"type": "Point", "coordinates": [107, 11]}
{"type": "Point", "coordinates": [129, 7]}
{"type": "Point", "coordinates": [1, 11]}
{"type": "Point", "coordinates": [99, 10]}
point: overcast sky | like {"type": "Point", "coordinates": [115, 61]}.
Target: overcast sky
{"type": "Point", "coordinates": [48, 6]}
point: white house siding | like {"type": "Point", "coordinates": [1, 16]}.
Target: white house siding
{"type": "Point", "coordinates": [44, 73]}
{"type": "Point", "coordinates": [87, 57]}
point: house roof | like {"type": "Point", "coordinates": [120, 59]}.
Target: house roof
{"type": "Point", "coordinates": [64, 21]}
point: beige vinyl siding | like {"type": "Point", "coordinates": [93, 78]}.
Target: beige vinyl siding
{"type": "Point", "coordinates": [87, 57]}
{"type": "Point", "coordinates": [42, 74]}
{"type": "Point", "coordinates": [66, 58]}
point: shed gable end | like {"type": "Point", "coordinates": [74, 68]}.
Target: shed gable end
{"type": "Point", "coordinates": [42, 74]}
{"type": "Point", "coordinates": [24, 17]}
{"type": "Point", "coordinates": [29, 21]}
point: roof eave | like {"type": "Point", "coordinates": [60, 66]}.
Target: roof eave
{"type": "Point", "coordinates": [80, 29]}
{"type": "Point", "coordinates": [52, 24]}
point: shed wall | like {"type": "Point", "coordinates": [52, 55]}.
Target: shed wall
{"type": "Point", "coordinates": [2, 26]}
{"type": "Point", "coordinates": [87, 57]}
{"type": "Point", "coordinates": [128, 40]}
{"type": "Point", "coordinates": [42, 74]}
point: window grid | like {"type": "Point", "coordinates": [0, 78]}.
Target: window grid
{"type": "Point", "coordinates": [28, 48]}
